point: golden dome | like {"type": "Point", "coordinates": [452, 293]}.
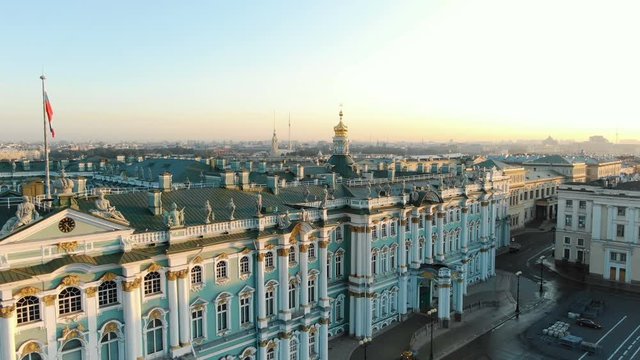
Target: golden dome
{"type": "Point", "coordinates": [341, 129]}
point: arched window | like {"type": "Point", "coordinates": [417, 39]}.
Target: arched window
{"type": "Point", "coordinates": [384, 230]}
{"type": "Point", "coordinates": [338, 233]}
{"type": "Point", "coordinates": [155, 338]}
{"type": "Point", "coordinates": [292, 295]}
{"type": "Point", "coordinates": [312, 251]}
{"type": "Point", "coordinates": [383, 306]}
{"type": "Point", "coordinates": [28, 309]}
{"type": "Point", "coordinates": [293, 349]}
{"type": "Point", "coordinates": [339, 310]}
{"type": "Point", "coordinates": [374, 262]}
{"type": "Point", "coordinates": [392, 258]}
{"type": "Point", "coordinates": [109, 347]}
{"type": "Point", "coordinates": [221, 270]}
{"type": "Point", "coordinates": [72, 350]}
{"type": "Point", "coordinates": [292, 255]}
{"type": "Point", "coordinates": [69, 301]}
{"type": "Point", "coordinates": [383, 261]}
{"type": "Point", "coordinates": [107, 293]}
{"type": "Point", "coordinates": [311, 289]}
{"type": "Point", "coordinates": [268, 260]}
{"type": "Point", "coordinates": [374, 309]}
{"type": "Point", "coordinates": [152, 283]}
{"type": "Point", "coordinates": [393, 228]}
{"type": "Point", "coordinates": [196, 275]}
{"type": "Point", "coordinates": [223, 315]}
{"type": "Point", "coordinates": [270, 299]}
{"type": "Point", "coordinates": [271, 354]}
{"type": "Point", "coordinates": [32, 356]}
{"type": "Point", "coordinates": [244, 265]}
{"type": "Point", "coordinates": [312, 344]}
{"type": "Point", "coordinates": [374, 232]}
{"type": "Point", "coordinates": [338, 262]}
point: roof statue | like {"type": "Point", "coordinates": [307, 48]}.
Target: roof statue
{"type": "Point", "coordinates": [304, 215]}
{"type": "Point", "coordinates": [25, 215]}
{"type": "Point", "coordinates": [369, 189]}
{"type": "Point", "coordinates": [388, 189]}
{"type": "Point", "coordinates": [306, 192]}
{"type": "Point", "coordinates": [325, 198]}
{"type": "Point", "coordinates": [174, 217]}
{"type": "Point", "coordinates": [414, 194]}
{"type": "Point", "coordinates": [284, 221]}
{"type": "Point", "coordinates": [63, 185]}
{"type": "Point", "coordinates": [208, 211]}
{"type": "Point", "coordinates": [259, 204]}
{"type": "Point", "coordinates": [106, 211]}
{"type": "Point", "coordinates": [379, 190]}
{"type": "Point", "coordinates": [231, 206]}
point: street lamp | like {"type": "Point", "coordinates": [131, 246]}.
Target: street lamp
{"type": "Point", "coordinates": [365, 341]}
{"type": "Point", "coordinates": [518, 295]}
{"type": "Point", "coordinates": [541, 267]}
{"type": "Point", "coordinates": [431, 314]}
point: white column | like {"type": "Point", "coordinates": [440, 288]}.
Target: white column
{"type": "Point", "coordinates": [484, 254]}
{"type": "Point", "coordinates": [49, 303]}
{"type": "Point", "coordinates": [415, 245]}
{"type": "Point", "coordinates": [323, 295]}
{"type": "Point", "coordinates": [132, 318]}
{"type": "Point", "coordinates": [611, 229]}
{"type": "Point", "coordinates": [304, 277]}
{"type": "Point", "coordinates": [464, 231]}
{"type": "Point", "coordinates": [352, 315]}
{"type": "Point", "coordinates": [323, 340]}
{"type": "Point", "coordinates": [440, 239]}
{"type": "Point", "coordinates": [303, 346]}
{"type": "Point", "coordinates": [595, 222]}
{"type": "Point", "coordinates": [630, 231]}
{"type": "Point", "coordinates": [183, 307]}
{"type": "Point", "coordinates": [492, 220]}
{"type": "Point", "coordinates": [354, 246]}
{"type": "Point", "coordinates": [429, 238]}
{"type": "Point", "coordinates": [465, 272]}
{"type": "Point", "coordinates": [283, 274]}
{"type": "Point", "coordinates": [262, 350]}
{"type": "Point", "coordinates": [366, 254]}
{"type": "Point", "coordinates": [484, 221]}
{"type": "Point", "coordinates": [92, 322]}
{"type": "Point", "coordinates": [402, 295]}
{"type": "Point", "coordinates": [7, 332]}
{"type": "Point", "coordinates": [444, 296]}
{"type": "Point", "coordinates": [262, 306]}
{"type": "Point", "coordinates": [492, 258]}
{"type": "Point", "coordinates": [285, 339]}
{"type": "Point", "coordinates": [172, 294]}
{"type": "Point", "coordinates": [402, 252]}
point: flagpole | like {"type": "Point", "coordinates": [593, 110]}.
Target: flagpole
{"type": "Point", "coordinates": [47, 184]}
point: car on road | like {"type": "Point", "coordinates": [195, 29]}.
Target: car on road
{"type": "Point", "coordinates": [588, 323]}
{"type": "Point", "coordinates": [514, 247]}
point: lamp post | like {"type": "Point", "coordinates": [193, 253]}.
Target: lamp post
{"type": "Point", "coordinates": [518, 295]}
{"type": "Point", "coordinates": [431, 314]}
{"type": "Point", "coordinates": [365, 342]}
{"type": "Point", "coordinates": [541, 267]}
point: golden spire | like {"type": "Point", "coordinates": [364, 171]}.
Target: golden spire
{"type": "Point", "coordinates": [341, 129]}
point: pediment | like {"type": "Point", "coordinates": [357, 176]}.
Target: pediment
{"type": "Point", "coordinates": [66, 224]}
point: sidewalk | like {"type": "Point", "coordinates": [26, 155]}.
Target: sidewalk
{"type": "Point", "coordinates": [414, 332]}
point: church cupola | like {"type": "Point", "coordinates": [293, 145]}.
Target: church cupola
{"type": "Point", "coordinates": [341, 138]}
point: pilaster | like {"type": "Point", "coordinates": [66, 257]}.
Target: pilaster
{"type": "Point", "coordinates": [428, 238]}
{"type": "Point", "coordinates": [7, 332]}
{"type": "Point", "coordinates": [322, 282]}
{"type": "Point", "coordinates": [132, 317]}
{"type": "Point", "coordinates": [440, 239]}
{"type": "Point", "coordinates": [172, 294]}
{"type": "Point", "coordinates": [183, 306]}
{"type": "Point", "coordinates": [262, 306]}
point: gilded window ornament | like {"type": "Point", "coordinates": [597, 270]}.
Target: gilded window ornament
{"type": "Point", "coordinates": [111, 327]}
{"type": "Point", "coordinates": [222, 256]}
{"type": "Point", "coordinates": [182, 273]}
{"type": "Point", "coordinates": [261, 257]}
{"type": "Point", "coordinates": [197, 260]}
{"type": "Point", "coordinates": [91, 291]}
{"type": "Point", "coordinates": [129, 286]}
{"type": "Point", "coordinates": [49, 300]}
{"type": "Point", "coordinates": [67, 246]}
{"type": "Point", "coordinates": [30, 348]}
{"type": "Point", "coordinates": [323, 244]}
{"type": "Point", "coordinates": [172, 275]}
{"type": "Point", "coordinates": [269, 246]}
{"type": "Point", "coordinates": [108, 277]}
{"type": "Point", "coordinates": [27, 291]}
{"type": "Point", "coordinates": [156, 314]}
{"type": "Point", "coordinates": [71, 280]}
{"type": "Point", "coordinates": [271, 345]}
{"type": "Point", "coordinates": [154, 267]}
{"type": "Point", "coordinates": [304, 248]}
{"type": "Point", "coordinates": [245, 251]}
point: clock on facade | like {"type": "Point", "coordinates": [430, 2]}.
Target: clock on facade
{"type": "Point", "coordinates": [66, 225]}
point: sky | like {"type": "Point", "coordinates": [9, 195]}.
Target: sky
{"type": "Point", "coordinates": [403, 70]}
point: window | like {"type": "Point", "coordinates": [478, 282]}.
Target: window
{"type": "Point", "coordinates": [245, 310]}
{"type": "Point", "coordinates": [269, 301]}
{"type": "Point", "coordinates": [567, 253]}
{"type": "Point", "coordinates": [33, 356]}
{"type": "Point", "coordinates": [581, 221]}
{"type": "Point", "coordinates": [623, 257]}
{"type": "Point", "coordinates": [338, 234]}
{"type": "Point", "coordinates": [155, 341]}
{"type": "Point", "coordinates": [312, 251]}
{"type": "Point", "coordinates": [421, 223]}
{"type": "Point", "coordinates": [28, 309]}
{"type": "Point", "coordinates": [393, 301]}
{"type": "Point", "coordinates": [620, 230]}
{"type": "Point", "coordinates": [312, 289]}
{"type": "Point", "coordinates": [374, 260]}
{"type": "Point", "coordinates": [152, 283]}
{"type": "Point", "coordinates": [107, 293]}
{"type": "Point", "coordinates": [109, 347]}
{"type": "Point", "coordinates": [374, 309]}
{"type": "Point", "coordinates": [383, 306]}
{"type": "Point", "coordinates": [392, 258]}
{"type": "Point", "coordinates": [292, 295]}
{"type": "Point", "coordinates": [196, 275]}
{"type": "Point", "coordinates": [339, 309]}
{"type": "Point", "coordinates": [271, 354]}
{"type": "Point", "coordinates": [293, 349]}
{"type": "Point", "coordinates": [407, 247]}
{"type": "Point", "coordinates": [69, 301]}
{"type": "Point", "coordinates": [613, 256]}
{"type": "Point", "coordinates": [393, 228]}
{"type": "Point", "coordinates": [312, 343]}
{"type": "Point", "coordinates": [579, 256]}
{"type": "Point", "coordinates": [72, 350]}
{"type": "Point", "coordinates": [537, 193]}
{"type": "Point", "coordinates": [384, 230]}
{"type": "Point", "coordinates": [338, 262]}
{"type": "Point", "coordinates": [222, 316]}
{"type": "Point", "coordinates": [621, 211]}
{"type": "Point", "coordinates": [221, 270]}
{"type": "Point", "coordinates": [292, 255]}
{"type": "Point", "coordinates": [582, 204]}
{"type": "Point", "coordinates": [268, 260]}
{"type": "Point", "coordinates": [374, 232]}
{"type": "Point", "coordinates": [580, 242]}
{"type": "Point", "coordinates": [407, 227]}
{"type": "Point", "coordinates": [244, 265]}
{"type": "Point", "coordinates": [568, 220]}
{"type": "Point", "coordinates": [197, 324]}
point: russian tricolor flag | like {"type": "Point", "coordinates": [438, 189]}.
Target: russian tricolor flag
{"type": "Point", "coordinates": [49, 110]}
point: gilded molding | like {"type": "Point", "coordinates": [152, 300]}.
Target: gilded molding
{"type": "Point", "coordinates": [49, 300]}
{"type": "Point", "coordinates": [30, 348]}
{"type": "Point", "coordinates": [27, 291]}
{"type": "Point", "coordinates": [172, 275]}
{"type": "Point", "coordinates": [155, 314]}
{"type": "Point", "coordinates": [222, 256]}
{"type": "Point", "coordinates": [245, 251]}
{"type": "Point", "coordinates": [484, 203]}
{"type": "Point", "coordinates": [284, 335]}
{"type": "Point", "coordinates": [91, 291]}
{"type": "Point", "coordinates": [305, 328]}
{"type": "Point", "coordinates": [415, 220]}
{"type": "Point", "coordinates": [197, 260]}
{"type": "Point", "coordinates": [271, 345]}
{"type": "Point", "coordinates": [440, 215]}
{"type": "Point", "coordinates": [264, 343]}
{"type": "Point", "coordinates": [67, 246]}
{"type": "Point", "coordinates": [111, 327]}
{"type": "Point", "coordinates": [7, 311]}
{"type": "Point", "coordinates": [304, 247]}
{"type": "Point", "coordinates": [269, 246]}
{"type": "Point", "coordinates": [323, 244]}
{"type": "Point", "coordinates": [325, 321]}
{"type": "Point", "coordinates": [182, 274]}
{"type": "Point", "coordinates": [71, 280]}
{"type": "Point", "coordinates": [429, 217]}
{"type": "Point", "coordinates": [465, 210]}
{"type": "Point", "coordinates": [261, 257]}
{"type": "Point", "coordinates": [484, 250]}
{"type": "Point", "coordinates": [129, 286]}
{"type": "Point", "coordinates": [283, 252]}
{"type": "Point", "coordinates": [444, 286]}
{"type": "Point", "coordinates": [403, 222]}
{"type": "Point", "coordinates": [109, 277]}
{"type": "Point", "coordinates": [154, 267]}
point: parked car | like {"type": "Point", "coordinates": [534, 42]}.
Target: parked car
{"type": "Point", "coordinates": [588, 323]}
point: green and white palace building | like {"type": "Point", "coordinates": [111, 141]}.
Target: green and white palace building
{"type": "Point", "coordinates": [240, 271]}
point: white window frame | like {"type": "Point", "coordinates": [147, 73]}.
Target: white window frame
{"type": "Point", "coordinates": [245, 275]}
{"type": "Point", "coordinates": [221, 278]}
{"type": "Point", "coordinates": [203, 318]}
{"type": "Point", "coordinates": [223, 298]}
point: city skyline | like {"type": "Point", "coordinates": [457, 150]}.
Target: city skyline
{"type": "Point", "coordinates": [212, 71]}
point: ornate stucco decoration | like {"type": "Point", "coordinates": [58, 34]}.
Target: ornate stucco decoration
{"type": "Point", "coordinates": [106, 211]}
{"type": "Point", "coordinates": [30, 348]}
{"type": "Point", "coordinates": [111, 327]}
{"type": "Point", "coordinates": [154, 267]}
{"type": "Point", "coordinates": [49, 300]}
{"type": "Point", "coordinates": [129, 286]}
{"type": "Point", "coordinates": [27, 291]}
{"type": "Point", "coordinates": [222, 256]}
{"type": "Point", "coordinates": [25, 214]}
{"type": "Point", "coordinates": [6, 311]}
{"type": "Point", "coordinates": [224, 298]}
{"type": "Point", "coordinates": [71, 280]}
{"type": "Point", "coordinates": [245, 251]}
{"type": "Point", "coordinates": [171, 275]}
{"type": "Point", "coordinates": [109, 277]}
{"type": "Point", "coordinates": [91, 291]}
{"type": "Point", "coordinates": [269, 246]}
{"type": "Point", "coordinates": [174, 218]}
{"type": "Point", "coordinates": [197, 260]}
{"type": "Point", "coordinates": [67, 247]}
{"type": "Point", "coordinates": [182, 274]}
{"type": "Point", "coordinates": [155, 314]}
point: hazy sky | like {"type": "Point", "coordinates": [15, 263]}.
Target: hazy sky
{"type": "Point", "coordinates": [404, 70]}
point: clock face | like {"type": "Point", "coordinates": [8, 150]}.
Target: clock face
{"type": "Point", "coordinates": [66, 225]}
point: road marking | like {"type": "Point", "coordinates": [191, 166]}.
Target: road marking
{"type": "Point", "coordinates": [538, 254]}
{"type": "Point", "coordinates": [635, 353]}
{"type": "Point", "coordinates": [625, 340]}
{"type": "Point", "coordinates": [604, 336]}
